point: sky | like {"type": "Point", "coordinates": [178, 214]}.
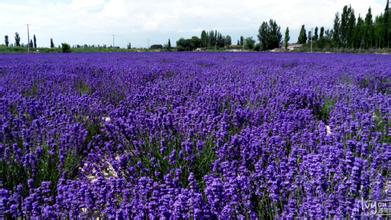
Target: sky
{"type": "Point", "coordinates": [146, 22]}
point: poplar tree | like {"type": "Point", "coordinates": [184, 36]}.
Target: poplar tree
{"type": "Point", "coordinates": [302, 36]}
{"type": "Point", "coordinates": [286, 38]}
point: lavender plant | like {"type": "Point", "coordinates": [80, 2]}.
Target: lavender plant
{"type": "Point", "coordinates": [193, 135]}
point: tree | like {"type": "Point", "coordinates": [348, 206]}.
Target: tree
{"type": "Point", "coordinates": [286, 38]}
{"type": "Point", "coordinates": [316, 36]}
{"type": "Point", "coordinates": [156, 47]}
{"type": "Point", "coordinates": [275, 35]}
{"type": "Point", "coordinates": [263, 35]}
{"type": "Point", "coordinates": [386, 25]}
{"type": "Point", "coordinates": [336, 31]}
{"type": "Point", "coordinates": [228, 41]}
{"type": "Point", "coordinates": [31, 44]}
{"type": "Point", "coordinates": [204, 39]}
{"type": "Point", "coordinates": [65, 48]}
{"type": "Point", "coordinates": [269, 35]}
{"type": "Point", "coordinates": [348, 22]}
{"type": "Point", "coordinates": [241, 41]}
{"type": "Point", "coordinates": [249, 43]}
{"type": "Point", "coordinates": [359, 33]}
{"type": "Point", "coordinates": [6, 41]}
{"type": "Point", "coordinates": [17, 39]}
{"type": "Point", "coordinates": [35, 41]}
{"type": "Point", "coordinates": [321, 35]}
{"type": "Point", "coordinates": [169, 45]}
{"type": "Point", "coordinates": [379, 31]}
{"type": "Point", "coordinates": [351, 28]}
{"type": "Point", "coordinates": [321, 41]}
{"type": "Point", "coordinates": [183, 44]}
{"type": "Point", "coordinates": [369, 30]}
{"type": "Point", "coordinates": [51, 43]}
{"type": "Point", "coordinates": [195, 42]}
{"type": "Point", "coordinates": [302, 36]}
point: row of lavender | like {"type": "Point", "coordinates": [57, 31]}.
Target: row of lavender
{"type": "Point", "coordinates": [193, 135]}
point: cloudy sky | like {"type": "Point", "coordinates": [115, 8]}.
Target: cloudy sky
{"type": "Point", "coordinates": [146, 22]}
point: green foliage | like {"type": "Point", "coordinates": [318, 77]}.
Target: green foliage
{"type": "Point", "coordinates": [316, 36]}
{"type": "Point", "coordinates": [82, 88]}
{"type": "Point", "coordinates": [302, 36]}
{"type": "Point", "coordinates": [249, 43]}
{"type": "Point", "coordinates": [156, 47]}
{"type": "Point", "coordinates": [204, 39]}
{"type": "Point", "coordinates": [269, 35]}
{"type": "Point", "coordinates": [382, 125]}
{"type": "Point", "coordinates": [6, 40]}
{"type": "Point", "coordinates": [65, 48]}
{"type": "Point", "coordinates": [35, 42]}
{"type": "Point", "coordinates": [336, 31]}
{"type": "Point", "coordinates": [17, 39]}
{"type": "Point", "coordinates": [349, 32]}
{"type": "Point", "coordinates": [286, 38]}
{"type": "Point", "coordinates": [51, 43]}
{"type": "Point", "coordinates": [184, 45]}
{"type": "Point", "coordinates": [213, 39]}
{"type": "Point", "coordinates": [323, 112]}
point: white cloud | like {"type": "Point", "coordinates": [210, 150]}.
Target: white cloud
{"type": "Point", "coordinates": [94, 21]}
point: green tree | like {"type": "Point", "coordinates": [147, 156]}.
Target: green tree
{"type": "Point", "coordinates": [17, 39]}
{"type": "Point", "coordinates": [351, 28]}
{"type": "Point", "coordinates": [348, 22]}
{"type": "Point", "coordinates": [275, 35]}
{"type": "Point", "coordinates": [336, 31]}
{"type": "Point", "coordinates": [184, 44]}
{"type": "Point", "coordinates": [302, 36]}
{"type": "Point", "coordinates": [359, 33]}
{"type": "Point", "coordinates": [6, 40]}
{"type": "Point", "coordinates": [35, 42]}
{"type": "Point", "coordinates": [369, 30]}
{"type": "Point", "coordinates": [51, 43]}
{"type": "Point", "coordinates": [66, 48]}
{"type": "Point", "coordinates": [31, 44]}
{"type": "Point", "coordinates": [204, 39]}
{"type": "Point", "coordinates": [286, 38]}
{"type": "Point", "coordinates": [269, 35]}
{"type": "Point", "coordinates": [379, 31]}
{"type": "Point", "coordinates": [321, 41]}
{"type": "Point", "coordinates": [321, 35]}
{"type": "Point", "coordinates": [386, 25]}
{"type": "Point", "coordinates": [195, 42]}
{"type": "Point", "coordinates": [129, 46]}
{"type": "Point", "coordinates": [228, 41]}
{"type": "Point", "coordinates": [263, 35]}
{"type": "Point", "coordinates": [249, 43]}
{"type": "Point", "coordinates": [316, 36]}
{"type": "Point", "coordinates": [241, 41]}
{"type": "Point", "coordinates": [169, 45]}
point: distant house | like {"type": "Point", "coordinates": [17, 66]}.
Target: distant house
{"type": "Point", "coordinates": [292, 47]}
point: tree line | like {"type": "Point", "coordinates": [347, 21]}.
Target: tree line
{"type": "Point", "coordinates": [31, 44]}
{"type": "Point", "coordinates": [348, 31]}
{"type": "Point", "coordinates": [209, 40]}
{"type": "Point", "coordinates": [351, 32]}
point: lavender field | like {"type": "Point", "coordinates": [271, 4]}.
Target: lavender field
{"type": "Point", "coordinates": [194, 135]}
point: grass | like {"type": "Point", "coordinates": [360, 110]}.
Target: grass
{"type": "Point", "coordinates": [323, 112]}
{"type": "Point", "coordinates": [382, 125]}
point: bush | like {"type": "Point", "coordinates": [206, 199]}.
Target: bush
{"type": "Point", "coordinates": [65, 48]}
